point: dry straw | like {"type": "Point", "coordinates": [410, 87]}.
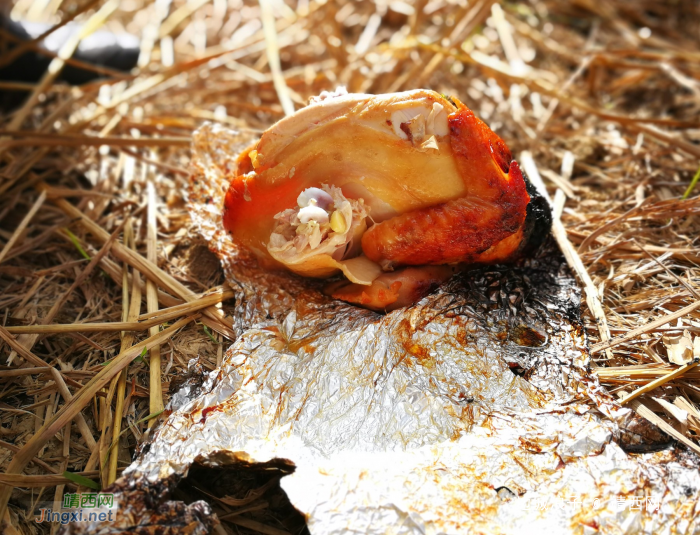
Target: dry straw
{"type": "Point", "coordinates": [601, 99]}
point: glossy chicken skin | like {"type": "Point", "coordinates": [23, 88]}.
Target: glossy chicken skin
{"type": "Point", "coordinates": [459, 230]}
{"type": "Point", "coordinates": [445, 193]}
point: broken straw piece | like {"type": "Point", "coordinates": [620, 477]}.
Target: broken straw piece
{"type": "Point", "coordinates": [680, 348]}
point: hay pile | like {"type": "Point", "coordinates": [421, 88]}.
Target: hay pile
{"type": "Point", "coordinates": [599, 99]}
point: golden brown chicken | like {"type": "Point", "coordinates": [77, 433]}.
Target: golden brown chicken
{"type": "Point", "coordinates": [368, 185]}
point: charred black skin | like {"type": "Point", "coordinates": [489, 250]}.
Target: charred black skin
{"type": "Point", "coordinates": [538, 221]}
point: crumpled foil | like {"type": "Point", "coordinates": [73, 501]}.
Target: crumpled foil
{"type": "Point", "coordinates": [475, 410]}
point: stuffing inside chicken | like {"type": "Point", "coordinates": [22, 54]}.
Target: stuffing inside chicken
{"type": "Point", "coordinates": [322, 234]}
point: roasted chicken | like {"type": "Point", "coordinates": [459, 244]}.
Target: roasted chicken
{"type": "Point", "coordinates": [394, 191]}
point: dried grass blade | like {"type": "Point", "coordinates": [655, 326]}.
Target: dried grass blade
{"type": "Point", "coordinates": [79, 419]}
{"type": "Point", "coordinates": [148, 269]}
{"type": "Point", "coordinates": [658, 382]}
{"type": "Point", "coordinates": [178, 16]}
{"type": "Point", "coordinates": [96, 327]}
{"type": "Point", "coordinates": [541, 86]}
{"type": "Point", "coordinates": [155, 388]}
{"type": "Point", "coordinates": [273, 57]}
{"type": "Point", "coordinates": [57, 64]}
{"type": "Point", "coordinates": [28, 341]}
{"type": "Point", "coordinates": [646, 328]}
{"type": "Point", "coordinates": [574, 260]}
{"type": "Point", "coordinates": [28, 355]}
{"type": "Point", "coordinates": [476, 16]}
{"type": "Point", "coordinates": [24, 371]}
{"type": "Point", "coordinates": [647, 413]}
{"type": "Point", "coordinates": [79, 401]}
{"type": "Point", "coordinates": [58, 493]}
{"type": "Point", "coordinates": [35, 460]}
{"type": "Point", "coordinates": [16, 52]}
{"type": "Point", "coordinates": [130, 310]}
{"type": "Point", "coordinates": [20, 480]}
{"type": "Point", "coordinates": [166, 314]}
{"type": "Point", "coordinates": [156, 318]}
{"type": "Point", "coordinates": [23, 225]}
{"type": "Point", "coordinates": [53, 140]}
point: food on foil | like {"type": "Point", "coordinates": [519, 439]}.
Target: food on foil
{"type": "Point", "coordinates": [472, 411]}
{"type": "Point", "coordinates": [392, 190]}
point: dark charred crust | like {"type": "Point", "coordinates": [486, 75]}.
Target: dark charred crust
{"type": "Point", "coordinates": [538, 221]}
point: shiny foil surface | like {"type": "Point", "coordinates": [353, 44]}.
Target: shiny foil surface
{"type": "Point", "coordinates": [475, 410]}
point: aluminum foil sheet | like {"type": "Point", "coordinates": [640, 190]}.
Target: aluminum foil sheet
{"type": "Point", "coordinates": [474, 410]}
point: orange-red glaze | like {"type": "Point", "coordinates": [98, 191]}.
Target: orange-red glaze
{"type": "Point", "coordinates": [503, 250]}
{"type": "Point", "coordinates": [392, 290]}
{"type": "Point", "coordinates": [459, 230]}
